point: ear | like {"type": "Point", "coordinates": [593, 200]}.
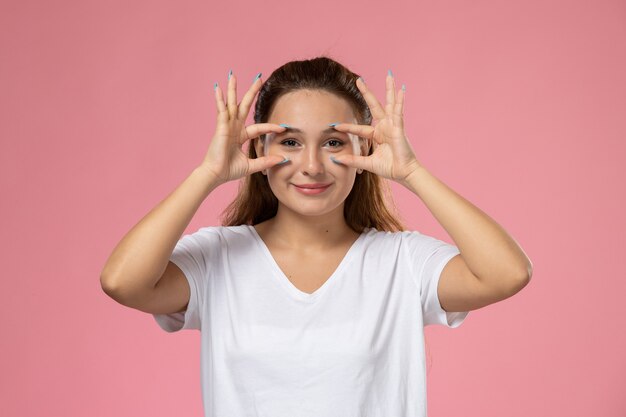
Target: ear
{"type": "Point", "coordinates": [365, 146]}
{"type": "Point", "coordinates": [258, 147]}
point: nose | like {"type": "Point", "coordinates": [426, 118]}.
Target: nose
{"type": "Point", "coordinates": [312, 163]}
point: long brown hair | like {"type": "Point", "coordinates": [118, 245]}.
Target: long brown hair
{"type": "Point", "coordinates": [366, 204]}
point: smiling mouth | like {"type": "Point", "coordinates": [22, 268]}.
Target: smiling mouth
{"type": "Point", "coordinates": [312, 190]}
{"type": "Point", "coordinates": [312, 186]}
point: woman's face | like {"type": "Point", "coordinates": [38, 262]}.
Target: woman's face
{"type": "Point", "coordinates": [309, 151]}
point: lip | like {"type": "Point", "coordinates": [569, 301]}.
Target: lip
{"type": "Point", "coordinates": [312, 189]}
{"type": "Point", "coordinates": [315, 185]}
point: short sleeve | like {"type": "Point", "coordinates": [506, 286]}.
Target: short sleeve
{"type": "Point", "coordinates": [193, 254]}
{"type": "Point", "coordinates": [430, 256]}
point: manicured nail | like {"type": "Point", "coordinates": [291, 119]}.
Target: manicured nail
{"type": "Point", "coordinates": [332, 158]}
{"type": "Point", "coordinates": [257, 77]}
{"type": "Point", "coordinates": [283, 161]}
{"type": "Point", "coordinates": [284, 125]}
{"type": "Point", "coordinates": [334, 124]}
{"type": "Point", "coordinates": [362, 79]}
{"type": "Point", "coordinates": [403, 87]}
{"type": "Point", "coordinates": [230, 73]}
{"type": "Point", "coordinates": [390, 73]}
{"type": "Point", "coordinates": [215, 87]}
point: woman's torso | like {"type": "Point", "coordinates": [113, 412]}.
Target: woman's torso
{"type": "Point", "coordinates": [307, 269]}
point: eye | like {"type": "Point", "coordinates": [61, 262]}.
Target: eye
{"type": "Point", "coordinates": [339, 143]}
{"type": "Point", "coordinates": [284, 142]}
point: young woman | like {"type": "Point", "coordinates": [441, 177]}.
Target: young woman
{"type": "Point", "coordinates": [311, 297]}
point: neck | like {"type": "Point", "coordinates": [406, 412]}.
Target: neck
{"type": "Point", "coordinates": [297, 231]}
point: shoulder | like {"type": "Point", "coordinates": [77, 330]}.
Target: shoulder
{"type": "Point", "coordinates": [224, 231]}
{"type": "Point", "coordinates": [383, 236]}
{"type": "Point", "coordinates": [408, 241]}
{"type": "Point", "coordinates": [385, 241]}
{"type": "Point", "coordinates": [210, 241]}
{"type": "Point", "coordinates": [219, 234]}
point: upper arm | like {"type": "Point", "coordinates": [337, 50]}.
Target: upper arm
{"type": "Point", "coordinates": [170, 294]}
{"type": "Point", "coordinates": [460, 290]}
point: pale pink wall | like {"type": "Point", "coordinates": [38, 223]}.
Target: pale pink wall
{"type": "Point", "coordinates": [518, 106]}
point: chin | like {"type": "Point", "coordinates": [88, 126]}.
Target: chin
{"type": "Point", "coordinates": [309, 208]}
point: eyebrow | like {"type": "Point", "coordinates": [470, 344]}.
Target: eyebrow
{"type": "Point", "coordinates": [296, 130]}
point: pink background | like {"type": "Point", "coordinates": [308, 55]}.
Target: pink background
{"type": "Point", "coordinates": [518, 106]}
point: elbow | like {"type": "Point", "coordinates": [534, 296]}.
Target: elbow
{"type": "Point", "coordinates": [107, 279]}
{"type": "Point", "coordinates": [524, 271]}
{"type": "Point", "coordinates": [518, 280]}
{"type": "Point", "coordinates": [118, 294]}
{"type": "Point", "coordinates": [528, 273]}
{"type": "Point", "coordinates": [111, 286]}
{"type": "Point", "coordinates": [523, 278]}
{"type": "Point", "coordinates": [107, 286]}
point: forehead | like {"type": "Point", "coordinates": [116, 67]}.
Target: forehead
{"type": "Point", "coordinates": [315, 106]}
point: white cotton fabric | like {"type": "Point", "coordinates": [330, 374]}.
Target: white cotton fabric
{"type": "Point", "coordinates": [352, 348]}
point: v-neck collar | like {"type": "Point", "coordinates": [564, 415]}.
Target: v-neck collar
{"type": "Point", "coordinates": [288, 285]}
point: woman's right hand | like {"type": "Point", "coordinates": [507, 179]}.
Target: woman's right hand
{"type": "Point", "coordinates": [225, 159]}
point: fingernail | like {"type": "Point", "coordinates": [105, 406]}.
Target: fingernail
{"type": "Point", "coordinates": [332, 158]}
{"type": "Point", "coordinates": [362, 79]}
{"type": "Point", "coordinates": [403, 87]}
{"type": "Point", "coordinates": [230, 73]}
{"type": "Point", "coordinates": [334, 124]}
{"type": "Point", "coordinates": [283, 161]}
{"type": "Point", "coordinates": [257, 77]}
{"type": "Point", "coordinates": [390, 73]}
{"type": "Point", "coordinates": [284, 125]}
{"type": "Point", "coordinates": [215, 87]}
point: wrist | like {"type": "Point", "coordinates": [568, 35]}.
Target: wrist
{"type": "Point", "coordinates": [206, 177]}
{"type": "Point", "coordinates": [413, 175]}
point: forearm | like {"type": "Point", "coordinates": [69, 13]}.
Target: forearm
{"type": "Point", "coordinates": [140, 258]}
{"type": "Point", "coordinates": [489, 252]}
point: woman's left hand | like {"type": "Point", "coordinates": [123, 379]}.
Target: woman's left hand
{"type": "Point", "coordinates": [392, 156]}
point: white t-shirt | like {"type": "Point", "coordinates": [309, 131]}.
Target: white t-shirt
{"type": "Point", "coordinates": [352, 348]}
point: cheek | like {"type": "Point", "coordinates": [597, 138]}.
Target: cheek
{"type": "Point", "coordinates": [279, 179]}
{"type": "Point", "coordinates": [281, 172]}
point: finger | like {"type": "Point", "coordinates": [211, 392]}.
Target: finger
{"type": "Point", "coordinates": [355, 161]}
{"type": "Point", "coordinates": [256, 130]}
{"type": "Point", "coordinates": [219, 100]}
{"type": "Point", "coordinates": [364, 131]}
{"type": "Point", "coordinates": [391, 89]}
{"type": "Point", "coordinates": [232, 96]}
{"type": "Point", "coordinates": [398, 119]}
{"type": "Point", "coordinates": [246, 102]}
{"type": "Point", "coordinates": [264, 162]}
{"type": "Point", "coordinates": [372, 102]}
